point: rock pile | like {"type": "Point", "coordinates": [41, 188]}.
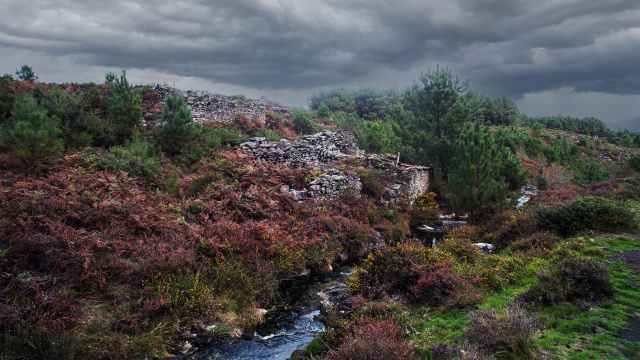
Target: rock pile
{"type": "Point", "coordinates": [329, 186]}
{"type": "Point", "coordinates": [207, 107]}
{"type": "Point", "coordinates": [313, 150]}
{"type": "Point", "coordinates": [324, 148]}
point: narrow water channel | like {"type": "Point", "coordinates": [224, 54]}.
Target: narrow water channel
{"type": "Point", "coordinates": [291, 325]}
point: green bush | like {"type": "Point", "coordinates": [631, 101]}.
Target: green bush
{"type": "Point", "coordinates": [587, 213]}
{"type": "Point", "coordinates": [124, 106]}
{"type": "Point", "coordinates": [137, 158]}
{"type": "Point", "coordinates": [634, 162]}
{"type": "Point", "coordinates": [176, 129]}
{"type": "Point", "coordinates": [202, 183]}
{"type": "Point", "coordinates": [272, 135]}
{"type": "Point", "coordinates": [504, 333]}
{"type": "Point", "coordinates": [323, 111]}
{"type": "Point", "coordinates": [30, 135]}
{"type": "Point", "coordinates": [101, 134]}
{"type": "Point", "coordinates": [371, 185]}
{"type": "Point", "coordinates": [536, 129]}
{"type": "Point", "coordinates": [573, 279]}
{"type": "Point", "coordinates": [303, 121]}
{"type": "Point", "coordinates": [591, 170]}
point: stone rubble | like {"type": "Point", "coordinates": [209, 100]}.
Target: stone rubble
{"type": "Point", "coordinates": [207, 107]}
{"type": "Point", "coordinates": [324, 148]}
{"type": "Point", "coordinates": [313, 150]}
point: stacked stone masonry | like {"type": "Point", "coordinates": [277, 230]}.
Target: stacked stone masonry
{"type": "Point", "coordinates": [207, 107]}
{"type": "Point", "coordinates": [322, 149]}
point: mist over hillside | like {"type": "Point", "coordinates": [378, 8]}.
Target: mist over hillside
{"type": "Point", "coordinates": [631, 125]}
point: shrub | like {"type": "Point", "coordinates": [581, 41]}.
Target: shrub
{"type": "Point", "coordinates": [303, 121]}
{"type": "Point", "coordinates": [504, 333]}
{"type": "Point", "coordinates": [371, 185]}
{"type": "Point", "coordinates": [30, 135]}
{"type": "Point", "coordinates": [178, 129]}
{"type": "Point", "coordinates": [388, 269]}
{"type": "Point", "coordinates": [536, 129]}
{"type": "Point", "coordinates": [541, 180]}
{"type": "Point", "coordinates": [323, 111]}
{"type": "Point", "coordinates": [68, 109]}
{"type": "Point", "coordinates": [185, 295]}
{"type": "Point", "coordinates": [508, 227]}
{"type": "Point", "coordinates": [427, 201]}
{"type": "Point", "coordinates": [587, 213]}
{"type": "Point", "coordinates": [202, 183]}
{"type": "Point", "coordinates": [458, 244]}
{"type": "Point", "coordinates": [136, 159]}
{"type": "Point", "coordinates": [438, 284]}
{"type": "Point", "coordinates": [539, 243]}
{"type": "Point", "coordinates": [591, 171]}
{"type": "Point", "coordinates": [634, 162]}
{"type": "Point", "coordinates": [124, 106]}
{"type": "Point", "coordinates": [372, 339]}
{"type": "Point", "coordinates": [577, 279]}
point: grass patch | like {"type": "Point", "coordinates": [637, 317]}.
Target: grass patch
{"type": "Point", "coordinates": [580, 330]}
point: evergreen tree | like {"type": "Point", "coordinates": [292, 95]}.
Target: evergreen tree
{"type": "Point", "coordinates": [323, 111]}
{"type": "Point", "coordinates": [30, 135]}
{"type": "Point", "coordinates": [477, 186]}
{"type": "Point", "coordinates": [124, 107]}
{"type": "Point", "coordinates": [303, 121]}
{"type": "Point", "coordinates": [441, 112]}
{"type": "Point", "coordinates": [177, 128]}
{"type": "Point", "coordinates": [378, 137]}
{"type": "Point", "coordinates": [511, 168]}
{"type": "Point", "coordinates": [26, 73]}
{"type": "Point", "coordinates": [69, 110]}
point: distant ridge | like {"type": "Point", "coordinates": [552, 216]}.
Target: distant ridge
{"type": "Point", "coordinates": [631, 125]}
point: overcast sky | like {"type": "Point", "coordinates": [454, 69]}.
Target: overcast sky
{"type": "Point", "coordinates": [570, 57]}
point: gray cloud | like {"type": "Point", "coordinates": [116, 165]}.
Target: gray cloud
{"type": "Point", "coordinates": [511, 47]}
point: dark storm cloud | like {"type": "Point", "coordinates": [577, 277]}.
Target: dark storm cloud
{"type": "Point", "coordinates": [508, 47]}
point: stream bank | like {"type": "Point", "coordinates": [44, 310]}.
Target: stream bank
{"type": "Point", "coordinates": [292, 323]}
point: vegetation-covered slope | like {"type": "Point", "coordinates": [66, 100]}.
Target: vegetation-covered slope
{"type": "Point", "coordinates": [117, 234]}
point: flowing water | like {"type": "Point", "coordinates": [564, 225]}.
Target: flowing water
{"type": "Point", "coordinates": [291, 325]}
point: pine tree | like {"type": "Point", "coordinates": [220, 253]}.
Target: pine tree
{"type": "Point", "coordinates": [477, 186]}
{"type": "Point", "coordinates": [323, 111]}
{"type": "Point", "coordinates": [30, 135]}
{"type": "Point", "coordinates": [124, 106]}
{"type": "Point", "coordinates": [441, 112]}
{"type": "Point", "coordinates": [26, 73]}
{"type": "Point", "coordinates": [303, 121]}
{"type": "Point", "coordinates": [177, 129]}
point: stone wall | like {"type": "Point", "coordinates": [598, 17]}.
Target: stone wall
{"type": "Point", "coordinates": [323, 149]}
{"type": "Point", "coordinates": [410, 180]}
{"type": "Point", "coordinates": [207, 107]}
{"type": "Point", "coordinates": [313, 150]}
{"type": "Point", "coordinates": [329, 186]}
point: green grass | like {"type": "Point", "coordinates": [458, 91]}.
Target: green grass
{"type": "Point", "coordinates": [590, 332]}
{"type": "Point", "coordinates": [584, 331]}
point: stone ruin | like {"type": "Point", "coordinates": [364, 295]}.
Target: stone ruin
{"type": "Point", "coordinates": [318, 150]}
{"type": "Point", "coordinates": [324, 148]}
{"type": "Point", "coordinates": [207, 107]}
{"type": "Point", "coordinates": [313, 150]}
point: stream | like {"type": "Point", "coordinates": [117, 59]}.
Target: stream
{"type": "Point", "coordinates": [291, 324]}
